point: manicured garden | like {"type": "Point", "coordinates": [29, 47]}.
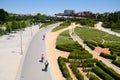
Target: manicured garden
{"type": "Point", "coordinates": [93, 37]}
{"type": "Point", "coordinates": [80, 58]}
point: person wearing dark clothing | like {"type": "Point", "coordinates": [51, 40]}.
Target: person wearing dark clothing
{"type": "Point", "coordinates": [46, 65]}
{"type": "Point", "coordinates": [42, 58]}
{"type": "Point", "coordinates": [43, 37]}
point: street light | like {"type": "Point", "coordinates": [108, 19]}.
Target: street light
{"type": "Point", "coordinates": [21, 39]}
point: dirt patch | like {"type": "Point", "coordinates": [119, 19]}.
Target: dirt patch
{"type": "Point", "coordinates": [62, 53]}
{"type": "Point", "coordinates": [83, 73]}
{"type": "Point", "coordinates": [100, 50]}
{"type": "Point", "coordinates": [70, 71]}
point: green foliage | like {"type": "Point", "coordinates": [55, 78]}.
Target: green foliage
{"type": "Point", "coordinates": [46, 24]}
{"type": "Point", "coordinates": [61, 26]}
{"type": "Point", "coordinates": [114, 48]}
{"type": "Point", "coordinates": [109, 70]}
{"type": "Point", "coordinates": [91, 44]}
{"type": "Point", "coordinates": [78, 75]}
{"type": "Point", "coordinates": [2, 32]}
{"type": "Point", "coordinates": [65, 43]}
{"type": "Point", "coordinates": [78, 54]}
{"type": "Point", "coordinates": [108, 56]}
{"type": "Point", "coordinates": [97, 70]}
{"type": "Point", "coordinates": [117, 61]}
{"type": "Point", "coordinates": [8, 27]}
{"type": "Point", "coordinates": [111, 20]}
{"type": "Point", "coordinates": [94, 35]}
{"type": "Point", "coordinates": [92, 76]}
{"type": "Point", "coordinates": [3, 16]}
{"type": "Point", "coordinates": [63, 68]}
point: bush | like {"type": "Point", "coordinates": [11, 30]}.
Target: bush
{"type": "Point", "coordinates": [109, 70]}
{"type": "Point", "coordinates": [77, 54]}
{"type": "Point", "coordinates": [101, 73]}
{"type": "Point", "coordinates": [61, 26]}
{"type": "Point", "coordinates": [68, 47]}
{"type": "Point", "coordinates": [87, 65]}
{"type": "Point", "coordinates": [63, 68]}
{"type": "Point", "coordinates": [116, 62]}
{"type": "Point", "coordinates": [91, 60]}
{"type": "Point", "coordinates": [76, 72]}
{"type": "Point", "coordinates": [92, 77]}
{"type": "Point", "coordinates": [91, 44]}
{"type": "Point", "coordinates": [107, 56]}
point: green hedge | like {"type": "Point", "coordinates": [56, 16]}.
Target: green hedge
{"type": "Point", "coordinates": [91, 44]}
{"type": "Point", "coordinates": [78, 54]}
{"type": "Point", "coordinates": [108, 70]}
{"type": "Point", "coordinates": [63, 68]}
{"type": "Point", "coordinates": [92, 60]}
{"type": "Point", "coordinates": [76, 72]}
{"type": "Point", "coordinates": [46, 24]}
{"type": "Point", "coordinates": [92, 76]}
{"type": "Point", "coordinates": [68, 47]}
{"type": "Point", "coordinates": [116, 62]}
{"type": "Point", "coordinates": [107, 56]}
{"type": "Point", "coordinates": [61, 26]}
{"type": "Point", "coordinates": [98, 71]}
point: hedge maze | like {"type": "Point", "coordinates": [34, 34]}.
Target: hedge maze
{"type": "Point", "coordinates": [93, 38]}
{"type": "Point", "coordinates": [80, 58]}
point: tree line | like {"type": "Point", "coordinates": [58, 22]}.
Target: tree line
{"type": "Point", "coordinates": [110, 20]}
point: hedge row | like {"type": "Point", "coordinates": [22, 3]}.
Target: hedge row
{"type": "Point", "coordinates": [87, 65]}
{"type": "Point", "coordinates": [98, 71]}
{"type": "Point", "coordinates": [76, 72]}
{"type": "Point", "coordinates": [117, 63]}
{"type": "Point", "coordinates": [92, 76]}
{"type": "Point", "coordinates": [107, 56]}
{"type": "Point", "coordinates": [91, 44]}
{"type": "Point", "coordinates": [74, 55]}
{"type": "Point", "coordinates": [92, 60]}
{"type": "Point", "coordinates": [108, 70]}
{"type": "Point", "coordinates": [63, 68]}
{"type": "Point", "coordinates": [68, 47]}
{"type": "Point", "coordinates": [46, 24]}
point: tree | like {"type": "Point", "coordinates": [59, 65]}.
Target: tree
{"type": "Point", "coordinates": [3, 16]}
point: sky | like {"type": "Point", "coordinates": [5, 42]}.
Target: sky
{"type": "Point", "coordinates": [50, 7]}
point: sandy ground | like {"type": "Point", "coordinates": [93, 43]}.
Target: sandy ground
{"type": "Point", "coordinates": [10, 52]}
{"type": "Point", "coordinates": [53, 53]}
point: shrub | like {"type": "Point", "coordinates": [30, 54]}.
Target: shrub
{"type": "Point", "coordinates": [68, 47]}
{"type": "Point", "coordinates": [107, 56]}
{"type": "Point", "coordinates": [92, 76]}
{"type": "Point", "coordinates": [77, 54]}
{"type": "Point", "coordinates": [91, 60]}
{"type": "Point", "coordinates": [76, 72]}
{"type": "Point", "coordinates": [101, 73]}
{"type": "Point", "coordinates": [109, 70]}
{"type": "Point", "coordinates": [63, 68]}
{"type": "Point", "coordinates": [116, 62]}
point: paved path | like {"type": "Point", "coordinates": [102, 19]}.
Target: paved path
{"type": "Point", "coordinates": [32, 68]}
{"type": "Point", "coordinates": [95, 54]}
{"type": "Point", "coordinates": [99, 27]}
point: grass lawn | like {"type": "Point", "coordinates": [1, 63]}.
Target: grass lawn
{"type": "Point", "coordinates": [64, 38]}
{"type": "Point", "coordinates": [61, 26]}
{"type": "Point", "coordinates": [90, 34]}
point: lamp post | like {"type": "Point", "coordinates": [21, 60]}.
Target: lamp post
{"type": "Point", "coordinates": [21, 39]}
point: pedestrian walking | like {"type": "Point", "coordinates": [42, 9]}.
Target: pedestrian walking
{"type": "Point", "coordinates": [46, 65]}
{"type": "Point", "coordinates": [43, 37]}
{"type": "Point", "coordinates": [42, 58]}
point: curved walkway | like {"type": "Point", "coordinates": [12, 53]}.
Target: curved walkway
{"type": "Point", "coordinates": [32, 67]}
{"type": "Point", "coordinates": [95, 54]}
{"type": "Point", "coordinates": [99, 27]}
